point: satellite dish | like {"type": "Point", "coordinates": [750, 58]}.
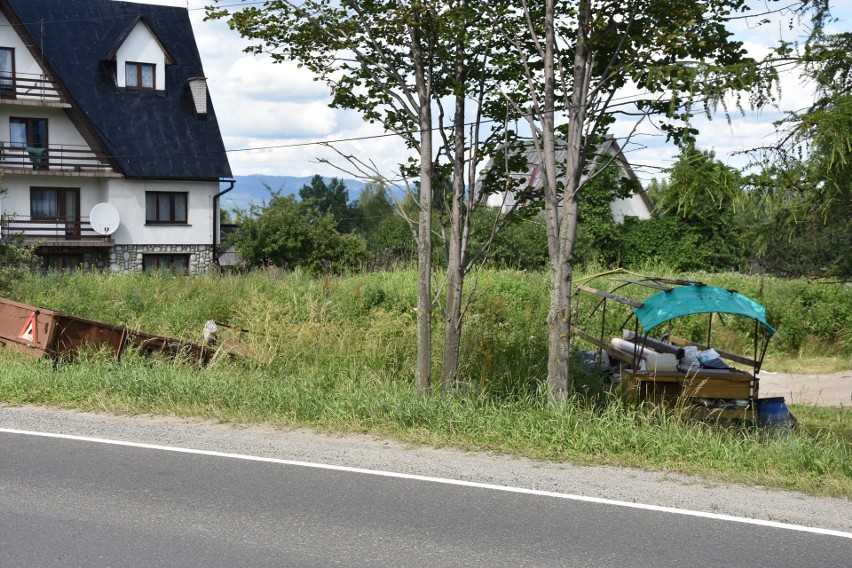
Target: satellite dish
{"type": "Point", "coordinates": [104, 218]}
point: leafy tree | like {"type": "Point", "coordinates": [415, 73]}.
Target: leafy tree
{"type": "Point", "coordinates": [372, 205]}
{"type": "Point", "coordinates": [573, 58]}
{"type": "Point", "coordinates": [699, 185]}
{"type": "Point", "coordinates": [292, 234]}
{"type": "Point", "coordinates": [703, 194]}
{"type": "Point", "coordinates": [387, 234]}
{"type": "Point", "coordinates": [655, 190]}
{"type": "Point", "coordinates": [380, 58]}
{"type": "Point", "coordinates": [226, 217]}
{"type": "Point", "coordinates": [802, 196]}
{"type": "Point", "coordinates": [329, 199]}
{"type": "Point", "coordinates": [402, 63]}
{"type": "Point", "coordinates": [371, 208]}
{"type": "Point", "coordinates": [698, 224]}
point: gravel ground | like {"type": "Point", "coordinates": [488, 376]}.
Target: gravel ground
{"type": "Point", "coordinates": [365, 452]}
{"type": "Point", "coordinates": [833, 389]}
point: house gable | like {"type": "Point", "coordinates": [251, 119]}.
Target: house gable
{"type": "Point", "coordinates": [149, 133]}
{"type": "Point", "coordinates": [635, 205]}
{"type": "Point", "coordinates": [608, 153]}
{"type": "Point", "coordinates": [24, 63]}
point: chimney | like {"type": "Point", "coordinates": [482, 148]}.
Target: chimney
{"type": "Point", "coordinates": [198, 88]}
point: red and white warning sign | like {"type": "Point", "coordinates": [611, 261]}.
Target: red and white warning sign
{"type": "Point", "coordinates": [29, 331]}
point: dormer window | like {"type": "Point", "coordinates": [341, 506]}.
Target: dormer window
{"type": "Point", "coordinates": [140, 76]}
{"type": "Point", "coordinates": [140, 58]}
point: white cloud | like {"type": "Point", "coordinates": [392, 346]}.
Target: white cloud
{"type": "Point", "coordinates": [265, 120]}
{"type": "Point", "coordinates": [258, 78]}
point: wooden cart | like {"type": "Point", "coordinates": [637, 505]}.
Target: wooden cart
{"type": "Point", "coordinates": [729, 393]}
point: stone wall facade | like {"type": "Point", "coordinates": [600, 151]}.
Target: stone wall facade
{"type": "Point", "coordinates": [129, 258]}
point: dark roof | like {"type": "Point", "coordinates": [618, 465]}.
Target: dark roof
{"type": "Point", "coordinates": [128, 28]}
{"type": "Point", "coordinates": [150, 134]}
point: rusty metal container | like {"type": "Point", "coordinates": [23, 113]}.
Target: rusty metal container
{"type": "Point", "coordinates": [39, 332]}
{"type": "Point", "coordinates": [27, 329]}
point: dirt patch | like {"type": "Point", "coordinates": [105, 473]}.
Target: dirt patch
{"type": "Point", "coordinates": [834, 389]}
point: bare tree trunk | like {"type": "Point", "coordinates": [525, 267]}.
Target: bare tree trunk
{"type": "Point", "coordinates": [452, 327]}
{"type": "Point", "coordinates": [455, 253]}
{"type": "Point", "coordinates": [557, 369]}
{"type": "Point", "coordinates": [562, 225]}
{"type": "Point", "coordinates": [424, 259]}
{"type": "Point", "coordinates": [423, 375]}
{"type": "Point", "coordinates": [573, 172]}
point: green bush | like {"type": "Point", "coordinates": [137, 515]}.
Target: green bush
{"type": "Point", "coordinates": [16, 259]}
{"type": "Point", "coordinates": [295, 234]}
{"type": "Point", "coordinates": [390, 242]}
{"type": "Point", "coordinates": [800, 309]}
{"type": "Point", "coordinates": [520, 245]}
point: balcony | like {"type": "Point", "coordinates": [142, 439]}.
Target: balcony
{"type": "Point", "coordinates": [53, 232]}
{"type": "Point", "coordinates": [30, 90]}
{"type": "Point", "coordinates": [54, 160]}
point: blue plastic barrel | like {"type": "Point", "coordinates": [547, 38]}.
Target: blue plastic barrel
{"type": "Point", "coordinates": [773, 413]}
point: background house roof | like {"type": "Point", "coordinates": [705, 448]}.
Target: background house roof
{"type": "Point", "coordinates": [150, 134]}
{"type": "Point", "coordinates": [604, 154]}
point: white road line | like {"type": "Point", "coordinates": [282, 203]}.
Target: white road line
{"type": "Point", "coordinates": [392, 474]}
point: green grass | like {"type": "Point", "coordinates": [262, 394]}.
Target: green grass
{"type": "Point", "coordinates": [819, 421]}
{"type": "Point", "coordinates": [338, 355]}
{"type": "Point", "coordinates": [806, 364]}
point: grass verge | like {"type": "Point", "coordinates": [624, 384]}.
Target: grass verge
{"type": "Point", "coordinates": [806, 364]}
{"type": "Point", "coordinates": [819, 421]}
{"type": "Point", "coordinates": [337, 355]}
{"type": "Point", "coordinates": [814, 459]}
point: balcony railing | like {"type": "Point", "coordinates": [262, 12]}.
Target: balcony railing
{"type": "Point", "coordinates": [52, 231]}
{"type": "Point", "coordinates": [28, 87]}
{"type": "Point", "coordinates": [64, 158]}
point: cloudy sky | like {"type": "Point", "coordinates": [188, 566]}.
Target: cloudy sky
{"type": "Point", "coordinates": [264, 107]}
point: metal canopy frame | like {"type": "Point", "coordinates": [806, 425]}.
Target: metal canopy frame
{"type": "Point", "coordinates": [661, 285]}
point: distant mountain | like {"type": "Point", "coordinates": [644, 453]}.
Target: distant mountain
{"type": "Point", "coordinates": [251, 189]}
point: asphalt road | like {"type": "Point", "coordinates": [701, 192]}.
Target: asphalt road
{"type": "Point", "coordinates": [79, 503]}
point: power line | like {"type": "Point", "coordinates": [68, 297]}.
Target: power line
{"type": "Point", "coordinates": [330, 142]}
{"type": "Point", "coordinates": [629, 99]}
{"type": "Point", "coordinates": [333, 141]}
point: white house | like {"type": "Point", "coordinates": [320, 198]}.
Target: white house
{"type": "Point", "coordinates": [609, 152]}
{"type": "Point", "coordinates": [105, 102]}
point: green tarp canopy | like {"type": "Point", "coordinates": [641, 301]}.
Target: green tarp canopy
{"type": "Point", "coordinates": [687, 300]}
